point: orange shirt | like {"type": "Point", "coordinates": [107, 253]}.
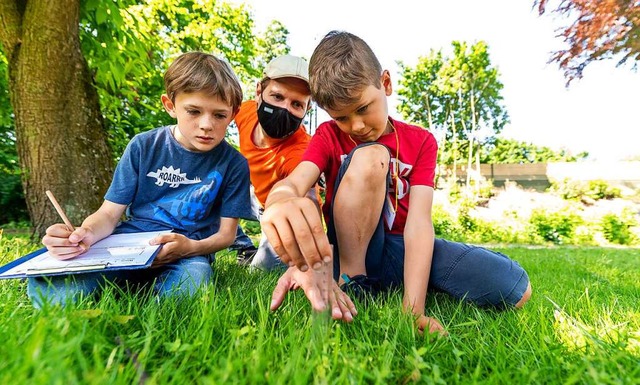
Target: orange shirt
{"type": "Point", "coordinates": [268, 165]}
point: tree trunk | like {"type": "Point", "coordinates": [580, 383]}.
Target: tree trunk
{"type": "Point", "coordinates": [61, 138]}
{"type": "Point", "coordinates": [472, 141]}
{"type": "Point", "coordinates": [454, 147]}
{"type": "Point", "coordinates": [469, 161]}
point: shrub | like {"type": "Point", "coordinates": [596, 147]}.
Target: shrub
{"type": "Point", "coordinates": [444, 224]}
{"type": "Point", "coordinates": [617, 228]}
{"type": "Point", "coordinates": [490, 232]}
{"type": "Point", "coordinates": [453, 187]}
{"type": "Point", "coordinates": [583, 234]}
{"type": "Point", "coordinates": [577, 190]}
{"type": "Point", "coordinates": [485, 189]}
{"type": "Point", "coordinates": [466, 221]}
{"type": "Point", "coordinates": [567, 189]}
{"type": "Point", "coordinates": [599, 189]}
{"type": "Point", "coordinates": [557, 227]}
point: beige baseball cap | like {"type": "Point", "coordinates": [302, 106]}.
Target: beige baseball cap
{"type": "Point", "coordinates": [288, 66]}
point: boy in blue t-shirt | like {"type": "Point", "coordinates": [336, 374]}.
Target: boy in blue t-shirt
{"type": "Point", "coordinates": [183, 177]}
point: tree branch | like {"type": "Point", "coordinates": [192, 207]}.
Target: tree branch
{"type": "Point", "coordinates": [10, 26]}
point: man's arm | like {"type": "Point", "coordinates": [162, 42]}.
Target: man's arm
{"type": "Point", "coordinates": [294, 185]}
{"type": "Point", "coordinates": [292, 222]}
{"type": "Point", "coordinates": [419, 239]}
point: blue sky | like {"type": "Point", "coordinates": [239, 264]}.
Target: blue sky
{"type": "Point", "coordinates": [595, 114]}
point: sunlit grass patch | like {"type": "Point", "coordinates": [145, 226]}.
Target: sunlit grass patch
{"type": "Point", "coordinates": [227, 335]}
{"type": "Point", "coordinates": [600, 332]}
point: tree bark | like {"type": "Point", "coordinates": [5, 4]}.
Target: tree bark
{"type": "Point", "coordinates": [61, 137]}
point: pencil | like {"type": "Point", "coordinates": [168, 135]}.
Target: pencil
{"type": "Point", "coordinates": [58, 208]}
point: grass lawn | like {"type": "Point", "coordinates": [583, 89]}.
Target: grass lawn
{"type": "Point", "coordinates": [227, 335]}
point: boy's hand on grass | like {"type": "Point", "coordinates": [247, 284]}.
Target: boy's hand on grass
{"type": "Point", "coordinates": [429, 324]}
{"type": "Point", "coordinates": [175, 246]}
{"type": "Point", "coordinates": [342, 308]}
{"type": "Point", "coordinates": [63, 244]}
{"type": "Point", "coordinates": [294, 228]}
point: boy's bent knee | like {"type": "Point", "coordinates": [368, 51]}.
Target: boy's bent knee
{"type": "Point", "coordinates": [369, 163]}
{"type": "Point", "coordinates": [480, 276]}
{"type": "Point", "coordinates": [525, 297]}
{"type": "Point", "coordinates": [62, 289]}
{"type": "Point", "coordinates": [374, 157]}
{"type": "Point", "coordinates": [184, 277]}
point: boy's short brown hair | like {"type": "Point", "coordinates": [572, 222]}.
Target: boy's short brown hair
{"type": "Point", "coordinates": [198, 71]}
{"type": "Point", "coordinates": [341, 66]}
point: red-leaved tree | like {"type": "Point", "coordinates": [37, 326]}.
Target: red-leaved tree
{"type": "Point", "coordinates": [603, 29]}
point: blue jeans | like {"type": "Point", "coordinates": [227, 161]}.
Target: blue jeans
{"type": "Point", "coordinates": [266, 258]}
{"type": "Point", "coordinates": [475, 274]}
{"type": "Point", "coordinates": [242, 240]}
{"type": "Point", "coordinates": [180, 278]}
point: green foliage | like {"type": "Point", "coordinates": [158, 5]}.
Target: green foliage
{"type": "Point", "coordinates": [465, 219]}
{"type": "Point", "coordinates": [556, 227]}
{"type": "Point", "coordinates": [617, 228]}
{"type": "Point", "coordinates": [567, 189]}
{"type": "Point", "coordinates": [12, 203]}
{"type": "Point", "coordinates": [129, 45]}
{"type": "Point", "coordinates": [509, 151]}
{"type": "Point", "coordinates": [483, 189]}
{"type": "Point", "coordinates": [6, 112]}
{"type": "Point", "coordinates": [449, 184]}
{"type": "Point", "coordinates": [599, 189]}
{"type": "Point", "coordinates": [586, 234]}
{"type": "Point", "coordinates": [250, 227]}
{"type": "Point", "coordinates": [466, 227]}
{"type": "Point", "coordinates": [486, 232]}
{"type": "Point", "coordinates": [458, 97]}
{"type": "Point", "coordinates": [444, 224]}
{"type": "Point", "coordinates": [577, 190]}
{"type": "Point", "coordinates": [421, 97]}
{"type": "Point", "coordinates": [270, 44]}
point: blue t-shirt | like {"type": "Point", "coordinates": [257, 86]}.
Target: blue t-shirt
{"type": "Point", "coordinates": [169, 187]}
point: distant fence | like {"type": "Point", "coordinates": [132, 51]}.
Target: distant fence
{"type": "Point", "coordinates": [540, 175]}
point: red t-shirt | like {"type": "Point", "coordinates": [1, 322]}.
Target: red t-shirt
{"type": "Point", "coordinates": [268, 165]}
{"type": "Point", "coordinates": [416, 149]}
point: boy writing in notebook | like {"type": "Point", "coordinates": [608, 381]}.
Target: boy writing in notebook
{"type": "Point", "coordinates": [182, 177]}
{"type": "Point", "coordinates": [380, 179]}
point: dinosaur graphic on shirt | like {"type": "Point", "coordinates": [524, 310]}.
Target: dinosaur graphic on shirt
{"type": "Point", "coordinates": [173, 176]}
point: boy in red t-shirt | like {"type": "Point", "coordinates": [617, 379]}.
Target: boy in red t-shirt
{"type": "Point", "coordinates": [380, 180]}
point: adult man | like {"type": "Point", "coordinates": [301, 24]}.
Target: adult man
{"type": "Point", "coordinates": [272, 136]}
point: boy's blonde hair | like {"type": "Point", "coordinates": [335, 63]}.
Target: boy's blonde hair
{"type": "Point", "coordinates": [198, 71]}
{"type": "Point", "coordinates": [340, 68]}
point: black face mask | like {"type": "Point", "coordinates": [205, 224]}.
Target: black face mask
{"type": "Point", "coordinates": [277, 122]}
